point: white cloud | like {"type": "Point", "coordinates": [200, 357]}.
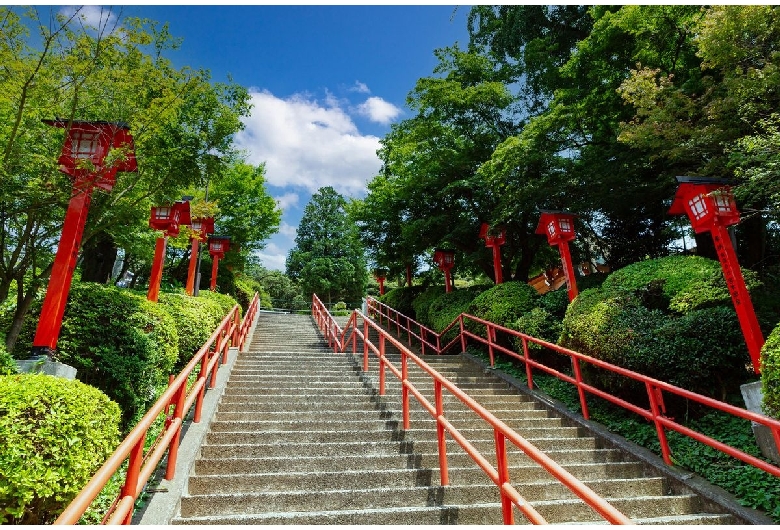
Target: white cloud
{"type": "Point", "coordinates": [273, 257]}
{"type": "Point", "coordinates": [92, 16]}
{"type": "Point", "coordinates": [378, 110]}
{"type": "Point", "coordinates": [287, 200]}
{"type": "Point", "coordinates": [308, 145]}
{"type": "Point", "coordinates": [288, 230]}
{"type": "Point", "coordinates": [360, 88]}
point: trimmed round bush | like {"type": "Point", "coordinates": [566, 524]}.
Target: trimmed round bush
{"type": "Point", "coordinates": [669, 318]}
{"type": "Point", "coordinates": [422, 303]}
{"type": "Point", "coordinates": [195, 318]}
{"type": "Point", "coordinates": [118, 342]}
{"type": "Point", "coordinates": [7, 364]}
{"type": "Point", "coordinates": [401, 299]}
{"type": "Point", "coordinates": [770, 374]}
{"type": "Point", "coordinates": [446, 308]}
{"type": "Point", "coordinates": [56, 433]}
{"type": "Point", "coordinates": [504, 303]}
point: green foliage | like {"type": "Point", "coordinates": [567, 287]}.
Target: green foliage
{"type": "Point", "coordinates": [226, 302]}
{"type": "Point", "coordinates": [56, 434]}
{"type": "Point", "coordinates": [402, 298]}
{"type": "Point", "coordinates": [328, 258]}
{"type": "Point", "coordinates": [446, 308]}
{"type": "Point", "coordinates": [503, 304]}
{"type": "Point", "coordinates": [195, 318]}
{"type": "Point", "coordinates": [538, 323]}
{"type": "Point", "coordinates": [245, 289]}
{"type": "Point", "coordinates": [118, 341]}
{"type": "Point", "coordinates": [770, 373]}
{"type": "Point", "coordinates": [423, 301]}
{"type": "Point", "coordinates": [669, 318]}
{"type": "Point", "coordinates": [7, 364]}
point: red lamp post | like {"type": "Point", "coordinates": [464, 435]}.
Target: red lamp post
{"type": "Point", "coordinates": [495, 241]}
{"type": "Point", "coordinates": [217, 248]}
{"type": "Point", "coordinates": [709, 204]}
{"type": "Point", "coordinates": [559, 228]}
{"type": "Point", "coordinates": [167, 219]}
{"type": "Point", "coordinates": [381, 276]}
{"type": "Point", "coordinates": [201, 228]}
{"type": "Point", "coordinates": [445, 259]}
{"type": "Point", "coordinates": [83, 158]}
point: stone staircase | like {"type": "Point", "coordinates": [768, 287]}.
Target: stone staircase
{"type": "Point", "coordinates": [300, 436]}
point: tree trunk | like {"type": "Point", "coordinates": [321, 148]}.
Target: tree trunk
{"type": "Point", "coordinates": [98, 259]}
{"type": "Point", "coordinates": [23, 303]}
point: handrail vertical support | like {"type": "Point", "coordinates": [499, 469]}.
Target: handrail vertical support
{"type": "Point", "coordinates": [381, 365]}
{"type": "Point", "coordinates": [173, 449]}
{"type": "Point", "coordinates": [659, 429]}
{"type": "Point", "coordinates": [365, 345]}
{"type": "Point", "coordinates": [462, 335]}
{"type": "Point", "coordinates": [529, 373]}
{"type": "Point", "coordinates": [578, 378]}
{"type": "Point", "coordinates": [440, 434]}
{"type": "Point", "coordinates": [405, 390]}
{"type": "Point", "coordinates": [502, 467]}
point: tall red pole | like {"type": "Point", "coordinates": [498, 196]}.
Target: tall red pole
{"type": "Point", "coordinates": [50, 322]}
{"type": "Point", "coordinates": [214, 268]}
{"type": "Point", "coordinates": [497, 263]}
{"type": "Point", "coordinates": [190, 288]}
{"type": "Point", "coordinates": [447, 281]}
{"type": "Point", "coordinates": [381, 281]}
{"type": "Point", "coordinates": [408, 275]}
{"type": "Point", "coordinates": [157, 268]}
{"type": "Point", "coordinates": [739, 293]}
{"type": "Point", "coordinates": [568, 270]}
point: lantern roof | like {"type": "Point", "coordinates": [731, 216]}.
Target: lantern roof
{"type": "Point", "coordinates": [690, 186]}
{"type": "Point", "coordinates": [553, 215]}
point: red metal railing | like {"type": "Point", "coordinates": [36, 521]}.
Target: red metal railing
{"type": "Point", "coordinates": [232, 331]}
{"type": "Point", "coordinates": [655, 413]}
{"type": "Point", "coordinates": [499, 474]}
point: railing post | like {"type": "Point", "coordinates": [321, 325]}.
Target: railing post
{"type": "Point", "coordinates": [490, 337]}
{"type": "Point", "coordinates": [575, 363]}
{"type": "Point", "coordinates": [204, 364]}
{"type": "Point", "coordinates": [659, 429]}
{"type": "Point", "coordinates": [503, 476]}
{"type": "Point", "coordinates": [381, 365]}
{"type": "Point", "coordinates": [409, 330]}
{"type": "Point", "coordinates": [405, 390]}
{"type": "Point", "coordinates": [365, 345]}
{"type": "Point", "coordinates": [424, 338]}
{"type": "Point", "coordinates": [528, 368]}
{"type": "Point", "coordinates": [130, 489]}
{"type": "Point", "coordinates": [462, 336]}
{"type": "Point", "coordinates": [178, 413]}
{"type": "Point", "coordinates": [440, 434]}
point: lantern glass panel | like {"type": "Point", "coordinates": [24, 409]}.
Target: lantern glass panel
{"type": "Point", "coordinates": [163, 212]}
{"type": "Point", "coordinates": [197, 226]}
{"type": "Point", "coordinates": [698, 207]}
{"type": "Point", "coordinates": [552, 229]}
{"type": "Point", "coordinates": [216, 246]}
{"type": "Point", "coordinates": [84, 144]}
{"type": "Point", "coordinates": [565, 225]}
{"type": "Point", "coordinates": [723, 202]}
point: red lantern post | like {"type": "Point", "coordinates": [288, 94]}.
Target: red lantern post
{"type": "Point", "coordinates": [709, 204]}
{"type": "Point", "coordinates": [201, 228]}
{"type": "Point", "coordinates": [217, 248]}
{"type": "Point", "coordinates": [83, 158]}
{"type": "Point", "coordinates": [559, 228]}
{"type": "Point", "coordinates": [494, 241]}
{"type": "Point", "coordinates": [445, 259]}
{"type": "Point", "coordinates": [167, 219]}
{"type": "Point", "coordinates": [381, 276]}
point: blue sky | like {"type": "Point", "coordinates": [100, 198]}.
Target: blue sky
{"type": "Point", "coordinates": [326, 83]}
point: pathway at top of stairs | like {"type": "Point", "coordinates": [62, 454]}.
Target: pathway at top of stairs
{"type": "Point", "coordinates": [300, 436]}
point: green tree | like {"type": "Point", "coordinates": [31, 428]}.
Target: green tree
{"type": "Point", "coordinates": [328, 258]}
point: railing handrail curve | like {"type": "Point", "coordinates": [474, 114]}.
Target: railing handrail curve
{"type": "Point", "coordinates": [232, 329]}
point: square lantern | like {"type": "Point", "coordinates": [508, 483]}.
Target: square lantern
{"type": "Point", "coordinates": [169, 218]}
{"type": "Point", "coordinates": [444, 258]}
{"type": "Point", "coordinates": [202, 226]}
{"type": "Point", "coordinates": [218, 245]}
{"type": "Point", "coordinates": [492, 237]}
{"type": "Point", "coordinates": [86, 145]}
{"type": "Point", "coordinates": [706, 201]}
{"type": "Point", "coordinates": [557, 226]}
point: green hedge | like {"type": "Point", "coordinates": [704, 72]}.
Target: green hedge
{"type": "Point", "coordinates": [422, 302]}
{"type": "Point", "coordinates": [7, 363]}
{"type": "Point", "coordinates": [195, 318]}
{"type": "Point", "coordinates": [770, 374]}
{"type": "Point", "coordinates": [669, 318]}
{"type": "Point", "coordinates": [401, 299]}
{"type": "Point", "coordinates": [446, 308]}
{"type": "Point", "coordinates": [503, 304]}
{"type": "Point", "coordinates": [56, 433]}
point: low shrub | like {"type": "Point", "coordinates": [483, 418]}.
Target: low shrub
{"type": "Point", "coordinates": [7, 363]}
{"type": "Point", "coordinates": [422, 303]}
{"type": "Point", "coordinates": [56, 435]}
{"type": "Point", "coordinates": [401, 299]}
{"type": "Point", "coordinates": [446, 308]}
{"type": "Point", "coordinates": [195, 317]}
{"type": "Point", "coordinates": [669, 318]}
{"type": "Point", "coordinates": [226, 302]}
{"type": "Point", "coordinates": [770, 374]}
{"type": "Point", "coordinates": [504, 303]}
{"type": "Point", "coordinates": [118, 342]}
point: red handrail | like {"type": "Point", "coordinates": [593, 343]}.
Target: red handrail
{"type": "Point", "coordinates": [231, 331]}
{"type": "Point", "coordinates": [510, 497]}
{"type": "Point", "coordinates": [656, 412]}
